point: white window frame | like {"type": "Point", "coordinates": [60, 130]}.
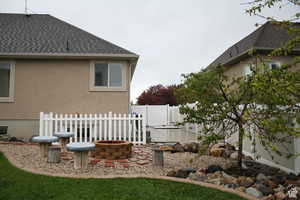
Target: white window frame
{"type": "Point", "coordinates": [247, 70]}
{"type": "Point", "coordinates": [93, 87]}
{"type": "Point", "coordinates": [270, 62]}
{"type": "Point", "coordinates": [11, 96]}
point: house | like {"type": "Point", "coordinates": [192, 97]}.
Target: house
{"type": "Point", "coordinates": [49, 65]}
{"type": "Point", "coordinates": [237, 61]}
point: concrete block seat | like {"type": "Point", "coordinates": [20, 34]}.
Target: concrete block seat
{"type": "Point", "coordinates": [81, 153]}
{"type": "Point", "coordinates": [64, 138]}
{"type": "Point", "coordinates": [45, 142]}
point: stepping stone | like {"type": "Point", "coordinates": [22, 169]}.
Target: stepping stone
{"type": "Point", "coordinates": [142, 162]}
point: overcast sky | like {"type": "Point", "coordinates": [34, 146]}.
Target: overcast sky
{"type": "Point", "coordinates": [172, 37]}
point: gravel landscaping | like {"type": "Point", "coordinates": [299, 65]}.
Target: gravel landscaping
{"type": "Point", "coordinates": [27, 156]}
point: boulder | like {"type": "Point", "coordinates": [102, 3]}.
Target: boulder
{"type": "Point", "coordinates": [227, 153]}
{"type": "Point", "coordinates": [197, 177]}
{"type": "Point", "coordinates": [279, 179]}
{"type": "Point", "coordinates": [293, 177]}
{"type": "Point", "coordinates": [214, 168]}
{"type": "Point", "coordinates": [261, 177]}
{"type": "Point", "coordinates": [280, 196]}
{"type": "Point", "coordinates": [264, 189]}
{"type": "Point", "coordinates": [247, 182]}
{"type": "Point", "coordinates": [217, 152]}
{"type": "Point", "coordinates": [234, 155]}
{"type": "Point", "coordinates": [184, 172]}
{"type": "Point", "coordinates": [254, 192]}
{"type": "Point", "coordinates": [191, 147]}
{"type": "Point", "coordinates": [178, 147]}
{"type": "Point", "coordinates": [171, 173]}
{"type": "Point", "coordinates": [166, 148]}
{"type": "Point", "coordinates": [270, 183]}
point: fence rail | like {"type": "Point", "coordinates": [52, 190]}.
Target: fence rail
{"type": "Point", "coordinates": [92, 127]}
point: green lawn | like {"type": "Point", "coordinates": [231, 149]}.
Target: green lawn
{"type": "Point", "coordinates": [17, 184]}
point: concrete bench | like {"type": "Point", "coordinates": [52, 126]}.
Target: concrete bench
{"type": "Point", "coordinates": [45, 142]}
{"type": "Point", "coordinates": [64, 138]}
{"type": "Point", "coordinates": [81, 151]}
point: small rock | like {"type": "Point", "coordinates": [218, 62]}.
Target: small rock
{"type": "Point", "coordinates": [216, 181]}
{"type": "Point", "coordinates": [217, 174]}
{"type": "Point", "coordinates": [280, 188]}
{"type": "Point", "coordinates": [184, 172]}
{"type": "Point", "coordinates": [269, 197]}
{"type": "Point", "coordinates": [231, 185]}
{"type": "Point", "coordinates": [214, 168]}
{"type": "Point", "coordinates": [280, 196]}
{"type": "Point", "coordinates": [241, 189]}
{"type": "Point", "coordinates": [171, 173]}
{"type": "Point", "coordinates": [196, 177]}
{"type": "Point", "coordinates": [254, 192]}
{"type": "Point", "coordinates": [261, 177]}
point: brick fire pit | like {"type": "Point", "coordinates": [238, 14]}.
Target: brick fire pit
{"type": "Point", "coordinates": [112, 149]}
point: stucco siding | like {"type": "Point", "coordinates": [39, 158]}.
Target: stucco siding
{"type": "Point", "coordinates": [21, 128]}
{"type": "Point", "coordinates": [60, 86]}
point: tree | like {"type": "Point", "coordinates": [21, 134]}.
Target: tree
{"type": "Point", "coordinates": [158, 95]}
{"type": "Point", "coordinates": [266, 102]}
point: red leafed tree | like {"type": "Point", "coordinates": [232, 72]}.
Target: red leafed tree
{"type": "Point", "coordinates": [158, 95]}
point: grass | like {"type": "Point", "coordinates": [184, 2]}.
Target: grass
{"type": "Point", "coordinates": [16, 184]}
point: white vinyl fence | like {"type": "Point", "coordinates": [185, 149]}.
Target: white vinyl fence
{"type": "Point", "coordinates": [92, 127]}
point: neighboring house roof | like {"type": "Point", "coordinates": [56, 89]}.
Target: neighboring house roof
{"type": "Point", "coordinates": [42, 34]}
{"type": "Point", "coordinates": [266, 38]}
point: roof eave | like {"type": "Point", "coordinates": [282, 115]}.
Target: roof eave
{"type": "Point", "coordinates": [131, 57]}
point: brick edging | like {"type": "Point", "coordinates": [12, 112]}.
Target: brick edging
{"type": "Point", "coordinates": [203, 184]}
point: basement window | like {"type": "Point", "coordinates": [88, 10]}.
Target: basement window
{"type": "Point", "coordinates": [7, 78]}
{"type": "Point", "coordinates": [3, 130]}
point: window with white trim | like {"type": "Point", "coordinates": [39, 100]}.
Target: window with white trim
{"type": "Point", "coordinates": [107, 76]}
{"type": "Point", "coordinates": [247, 70]}
{"type": "Point", "coordinates": [7, 70]}
{"type": "Point", "coordinates": [273, 65]}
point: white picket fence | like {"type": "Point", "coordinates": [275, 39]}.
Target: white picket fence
{"type": "Point", "coordinates": [93, 127]}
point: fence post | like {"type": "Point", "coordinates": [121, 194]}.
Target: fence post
{"type": "Point", "coordinates": [144, 129]}
{"type": "Point", "coordinates": [109, 125]}
{"type": "Point", "coordinates": [41, 123]}
{"type": "Point", "coordinates": [51, 124]}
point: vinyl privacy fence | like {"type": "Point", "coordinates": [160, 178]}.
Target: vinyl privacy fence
{"type": "Point", "coordinates": [92, 127]}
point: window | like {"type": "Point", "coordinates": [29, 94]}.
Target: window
{"type": "Point", "coordinates": [247, 70]}
{"type": "Point", "coordinates": [7, 71]}
{"type": "Point", "coordinates": [107, 76]}
{"type": "Point", "coordinates": [273, 65]}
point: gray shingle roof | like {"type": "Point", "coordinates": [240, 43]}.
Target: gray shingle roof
{"type": "Point", "coordinates": [267, 37]}
{"type": "Point", "coordinates": [45, 34]}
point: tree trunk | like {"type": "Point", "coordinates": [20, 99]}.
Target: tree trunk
{"type": "Point", "coordinates": [241, 137]}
